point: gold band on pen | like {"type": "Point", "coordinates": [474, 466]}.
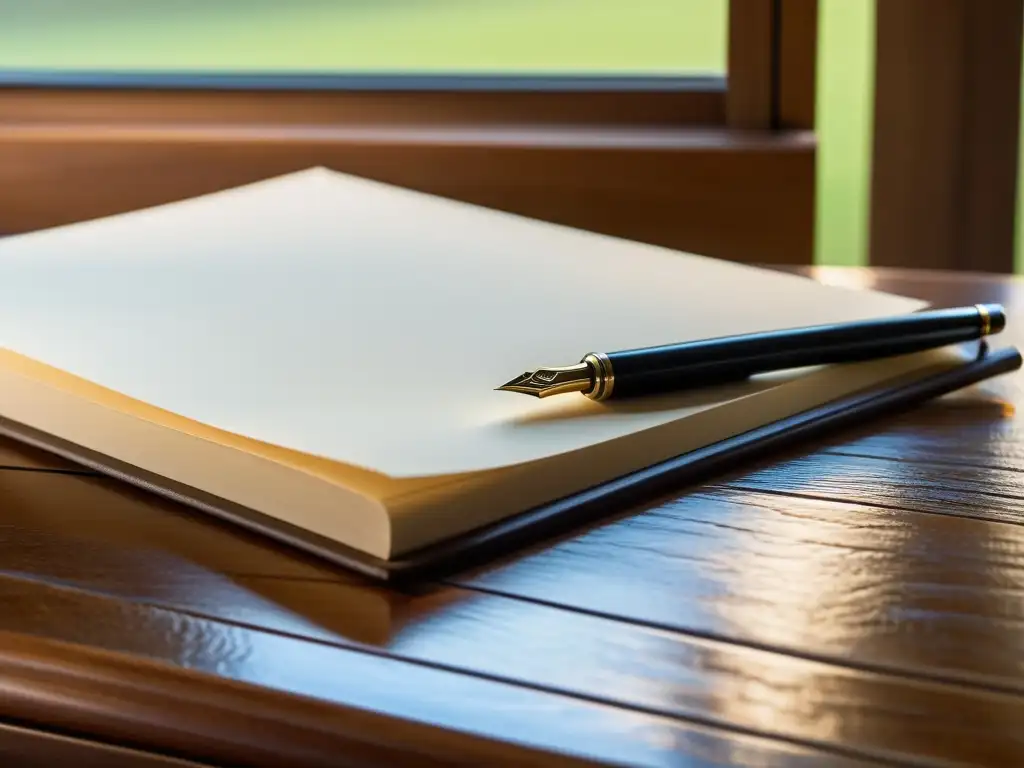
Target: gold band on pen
{"type": "Point", "coordinates": [986, 319]}
{"type": "Point", "coordinates": [604, 376]}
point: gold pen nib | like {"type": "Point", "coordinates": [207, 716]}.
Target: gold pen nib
{"type": "Point", "coordinates": [552, 381]}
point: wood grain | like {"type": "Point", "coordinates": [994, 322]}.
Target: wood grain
{"type": "Point", "coordinates": [745, 594]}
{"type": "Point", "coordinates": [829, 580]}
{"type": "Point", "coordinates": [985, 493]}
{"type": "Point", "coordinates": [962, 437]}
{"type": "Point", "coordinates": [218, 685]}
{"type": "Point", "coordinates": [28, 748]}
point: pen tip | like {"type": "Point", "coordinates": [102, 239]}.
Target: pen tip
{"type": "Point", "coordinates": [522, 384]}
{"type": "Point", "coordinates": [550, 381]}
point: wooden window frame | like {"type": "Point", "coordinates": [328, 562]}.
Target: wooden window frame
{"type": "Point", "coordinates": [720, 166]}
{"type": "Point", "coordinates": [946, 134]}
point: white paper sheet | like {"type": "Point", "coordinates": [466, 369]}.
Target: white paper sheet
{"type": "Point", "coordinates": [369, 324]}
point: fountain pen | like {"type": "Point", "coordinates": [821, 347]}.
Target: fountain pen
{"type": "Point", "coordinates": [694, 364]}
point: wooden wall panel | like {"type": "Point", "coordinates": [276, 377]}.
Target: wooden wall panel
{"type": "Point", "coordinates": [947, 109]}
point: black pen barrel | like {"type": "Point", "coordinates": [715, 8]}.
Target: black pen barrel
{"type": "Point", "coordinates": [651, 370]}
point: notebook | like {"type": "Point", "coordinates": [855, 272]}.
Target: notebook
{"type": "Point", "coordinates": [315, 357]}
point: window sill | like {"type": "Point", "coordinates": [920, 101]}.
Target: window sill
{"type": "Point", "coordinates": [735, 195]}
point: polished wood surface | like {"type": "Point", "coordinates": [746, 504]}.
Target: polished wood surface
{"type": "Point", "coordinates": [28, 748]}
{"type": "Point", "coordinates": [854, 602]}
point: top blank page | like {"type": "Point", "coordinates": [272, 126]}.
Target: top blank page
{"type": "Point", "coordinates": [370, 324]}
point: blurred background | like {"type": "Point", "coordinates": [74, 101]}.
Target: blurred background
{"type": "Point", "coordinates": [608, 37]}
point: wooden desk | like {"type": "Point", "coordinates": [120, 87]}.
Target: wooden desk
{"type": "Point", "coordinates": [854, 602]}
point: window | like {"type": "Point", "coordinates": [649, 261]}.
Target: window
{"type": "Point", "coordinates": [686, 123]}
{"type": "Point", "coordinates": [679, 37]}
